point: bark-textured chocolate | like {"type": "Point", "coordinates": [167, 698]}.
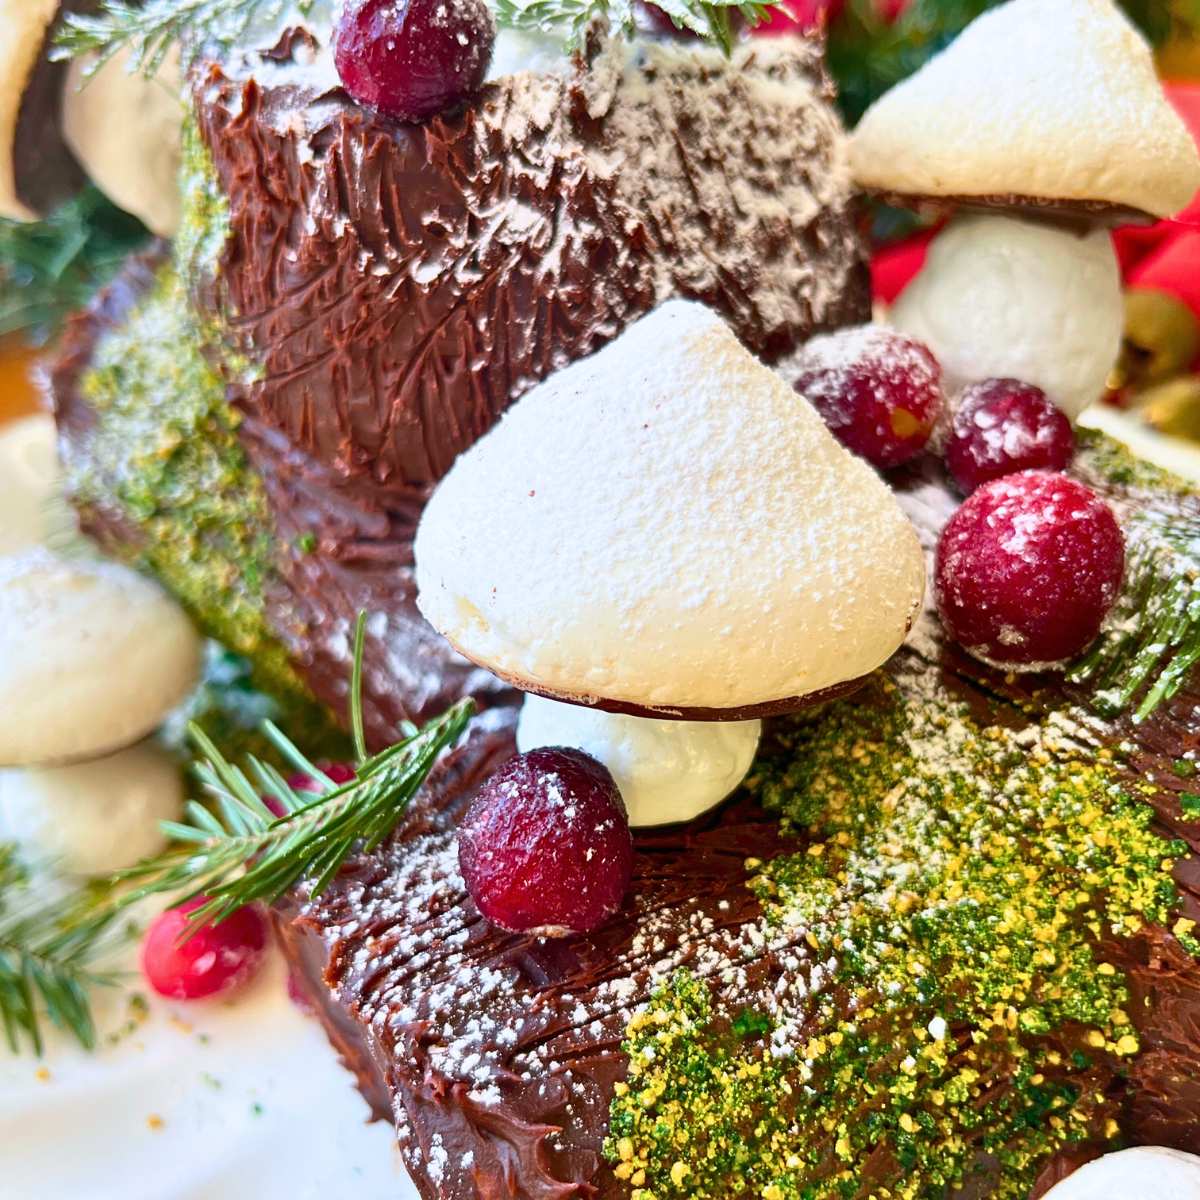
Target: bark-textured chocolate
{"type": "Point", "coordinates": [515, 1067]}
{"type": "Point", "coordinates": [397, 286]}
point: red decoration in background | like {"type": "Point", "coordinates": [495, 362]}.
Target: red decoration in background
{"type": "Point", "coordinates": [1164, 256]}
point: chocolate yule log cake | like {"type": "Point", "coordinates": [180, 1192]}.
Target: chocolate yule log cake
{"type": "Point", "coordinates": [370, 295]}
{"type": "Point", "coordinates": [826, 821]}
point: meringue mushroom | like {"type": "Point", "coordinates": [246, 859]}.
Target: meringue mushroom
{"type": "Point", "coordinates": [1051, 103]}
{"type": "Point", "coordinates": [1003, 297]}
{"type": "Point", "coordinates": [667, 771]}
{"type": "Point", "coordinates": [92, 657]}
{"type": "Point", "coordinates": [126, 130]}
{"type": "Point", "coordinates": [37, 169]}
{"type": "Point", "coordinates": [96, 817]}
{"type": "Point", "coordinates": [1142, 1173]}
{"type": "Point", "coordinates": [668, 529]}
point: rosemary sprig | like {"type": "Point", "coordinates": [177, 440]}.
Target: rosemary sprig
{"type": "Point", "coordinates": [240, 852]}
{"type": "Point", "coordinates": [49, 268]}
{"type": "Point", "coordinates": [236, 854]}
{"type": "Point", "coordinates": [50, 956]}
{"type": "Point", "coordinates": [150, 29]}
{"type": "Point", "coordinates": [710, 19]}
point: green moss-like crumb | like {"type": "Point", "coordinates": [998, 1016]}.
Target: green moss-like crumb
{"type": "Point", "coordinates": [165, 453]}
{"type": "Point", "coordinates": [940, 998]}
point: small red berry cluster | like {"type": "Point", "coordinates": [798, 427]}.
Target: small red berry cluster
{"type": "Point", "coordinates": [1030, 565]}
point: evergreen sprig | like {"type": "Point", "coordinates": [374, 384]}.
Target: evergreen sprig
{"type": "Point", "coordinates": [709, 19]}
{"type": "Point", "coordinates": [150, 29]}
{"type": "Point", "coordinates": [51, 956]}
{"type": "Point", "coordinates": [50, 268]}
{"type": "Point", "coordinates": [237, 853]}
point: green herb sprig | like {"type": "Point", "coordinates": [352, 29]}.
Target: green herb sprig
{"type": "Point", "coordinates": [150, 30]}
{"type": "Point", "coordinates": [51, 953]}
{"type": "Point", "coordinates": [237, 853]}
{"type": "Point", "coordinates": [50, 268]}
{"type": "Point", "coordinates": [709, 19]}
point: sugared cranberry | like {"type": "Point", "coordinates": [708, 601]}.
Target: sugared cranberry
{"type": "Point", "coordinates": [339, 772]}
{"type": "Point", "coordinates": [879, 392]}
{"type": "Point", "coordinates": [183, 963]}
{"type": "Point", "coordinates": [1027, 570]}
{"type": "Point", "coordinates": [1003, 426]}
{"type": "Point", "coordinates": [412, 59]}
{"type": "Point", "coordinates": [545, 846]}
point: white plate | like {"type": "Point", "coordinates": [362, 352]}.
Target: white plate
{"type": "Point", "coordinates": [241, 1100]}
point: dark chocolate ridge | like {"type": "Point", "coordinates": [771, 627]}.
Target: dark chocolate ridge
{"type": "Point", "coordinates": [1070, 212]}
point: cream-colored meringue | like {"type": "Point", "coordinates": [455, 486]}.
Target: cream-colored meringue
{"type": "Point", "coordinates": [667, 526]}
{"type": "Point", "coordinates": [1003, 297]}
{"type": "Point", "coordinates": [667, 771]}
{"type": "Point", "coordinates": [28, 481]}
{"type": "Point", "coordinates": [95, 817]}
{"type": "Point", "coordinates": [1051, 99]}
{"type": "Point", "coordinates": [126, 131]}
{"type": "Point", "coordinates": [92, 657]}
{"type": "Point", "coordinates": [1142, 1173]}
{"type": "Point", "coordinates": [23, 26]}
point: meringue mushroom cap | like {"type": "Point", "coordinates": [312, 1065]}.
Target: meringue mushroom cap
{"type": "Point", "coordinates": [1004, 297]}
{"type": "Point", "coordinates": [1140, 1173]}
{"type": "Point", "coordinates": [1054, 100]}
{"type": "Point", "coordinates": [94, 817]}
{"type": "Point", "coordinates": [127, 130]}
{"type": "Point", "coordinates": [92, 657]}
{"type": "Point", "coordinates": [667, 528]}
{"type": "Point", "coordinates": [25, 24]}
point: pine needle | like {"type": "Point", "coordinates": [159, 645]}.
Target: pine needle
{"type": "Point", "coordinates": [149, 30]}
{"type": "Point", "coordinates": [235, 853]}
{"type": "Point", "coordinates": [708, 19]}
{"type": "Point", "coordinates": [50, 955]}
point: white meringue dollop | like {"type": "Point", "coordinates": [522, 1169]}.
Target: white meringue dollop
{"type": "Point", "coordinates": [93, 818]}
{"type": "Point", "coordinates": [668, 771]}
{"type": "Point", "coordinates": [1142, 1173]}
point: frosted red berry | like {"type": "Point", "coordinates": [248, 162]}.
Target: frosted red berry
{"type": "Point", "coordinates": [545, 847]}
{"type": "Point", "coordinates": [412, 59]}
{"type": "Point", "coordinates": [879, 392]}
{"type": "Point", "coordinates": [1027, 570]}
{"type": "Point", "coordinates": [214, 959]}
{"type": "Point", "coordinates": [1003, 426]}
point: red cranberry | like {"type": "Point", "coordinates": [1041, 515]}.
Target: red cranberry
{"type": "Point", "coordinates": [879, 392]}
{"type": "Point", "coordinates": [412, 59]}
{"type": "Point", "coordinates": [545, 846]}
{"type": "Point", "coordinates": [1003, 426]}
{"type": "Point", "coordinates": [1027, 570]}
{"type": "Point", "coordinates": [339, 772]}
{"type": "Point", "coordinates": [186, 962]}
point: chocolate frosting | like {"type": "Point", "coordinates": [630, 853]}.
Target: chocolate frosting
{"type": "Point", "coordinates": [400, 285]}
{"type": "Point", "coordinates": [501, 1052]}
